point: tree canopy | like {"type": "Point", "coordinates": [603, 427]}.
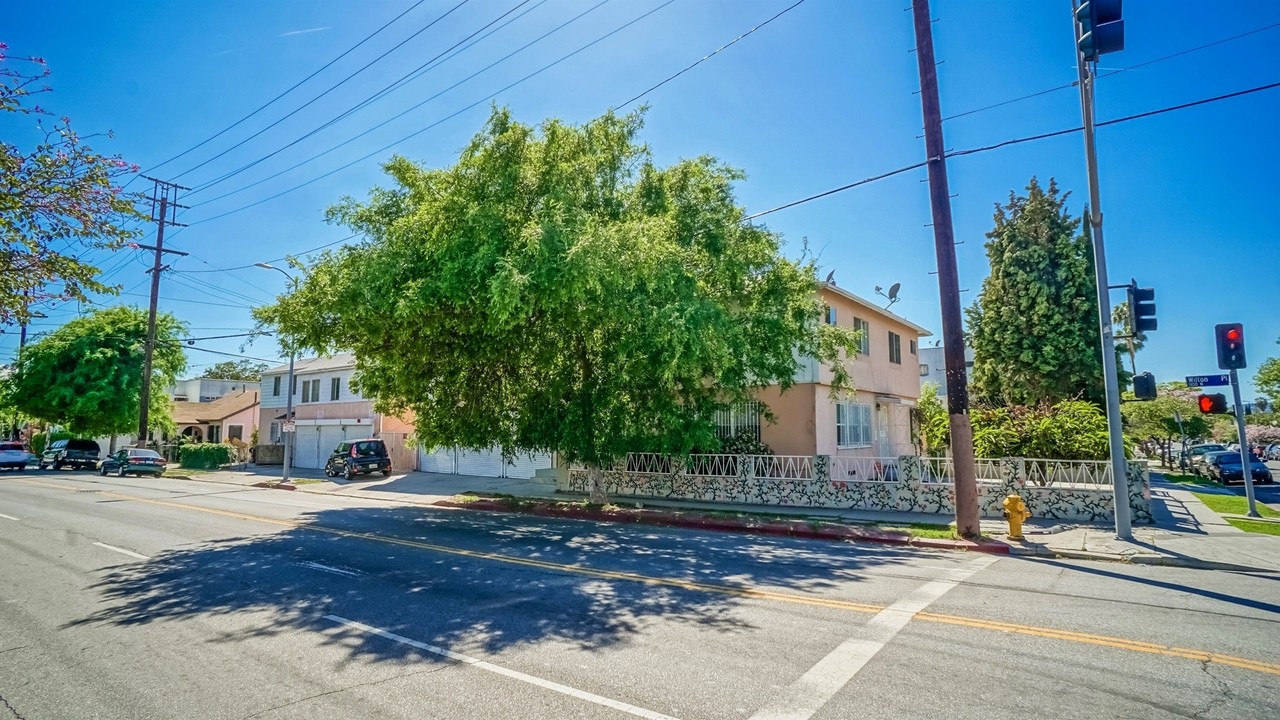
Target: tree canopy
{"type": "Point", "coordinates": [247, 370]}
{"type": "Point", "coordinates": [58, 198]}
{"type": "Point", "coordinates": [1267, 379]}
{"type": "Point", "coordinates": [557, 290]}
{"type": "Point", "coordinates": [87, 374]}
{"type": "Point", "coordinates": [1034, 327]}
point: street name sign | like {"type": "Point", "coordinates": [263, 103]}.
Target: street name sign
{"type": "Point", "coordinates": [1207, 380]}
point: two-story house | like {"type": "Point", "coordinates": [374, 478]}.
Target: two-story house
{"type": "Point", "coordinates": [874, 420]}
{"type": "Point", "coordinates": [327, 411]}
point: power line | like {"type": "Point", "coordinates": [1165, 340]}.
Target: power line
{"type": "Point", "coordinates": [1072, 84]}
{"type": "Point", "coordinates": [710, 55]}
{"type": "Point", "coordinates": [333, 87]}
{"type": "Point", "coordinates": [198, 302]}
{"type": "Point", "coordinates": [234, 355]}
{"type": "Point", "coordinates": [409, 109]}
{"type": "Point", "coordinates": [384, 148]}
{"type": "Point", "coordinates": [360, 105]}
{"type": "Point", "coordinates": [243, 267]}
{"type": "Point", "coordinates": [1015, 141]}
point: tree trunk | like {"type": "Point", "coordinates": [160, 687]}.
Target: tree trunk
{"type": "Point", "coordinates": [595, 475]}
{"type": "Point", "coordinates": [111, 446]}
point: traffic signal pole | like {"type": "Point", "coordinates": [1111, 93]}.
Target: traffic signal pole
{"type": "Point", "coordinates": [1119, 466]}
{"type": "Point", "coordinates": [1246, 454]}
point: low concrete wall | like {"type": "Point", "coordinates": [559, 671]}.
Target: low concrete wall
{"type": "Point", "coordinates": [268, 455]}
{"type": "Point", "coordinates": [905, 493]}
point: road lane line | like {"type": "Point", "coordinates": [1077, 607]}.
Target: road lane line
{"type": "Point", "coordinates": [7, 517]}
{"type": "Point", "coordinates": [122, 551]}
{"type": "Point", "coordinates": [804, 697]}
{"type": "Point", "coordinates": [328, 568]}
{"type": "Point", "coordinates": [736, 591]}
{"type": "Point", "coordinates": [498, 669]}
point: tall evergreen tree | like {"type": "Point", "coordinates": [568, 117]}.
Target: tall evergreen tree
{"type": "Point", "coordinates": [1034, 327]}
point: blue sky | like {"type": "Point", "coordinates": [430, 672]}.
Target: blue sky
{"type": "Point", "coordinates": [820, 97]}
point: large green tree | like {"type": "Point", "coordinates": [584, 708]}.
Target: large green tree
{"type": "Point", "coordinates": [1158, 419]}
{"type": "Point", "coordinates": [247, 370]}
{"type": "Point", "coordinates": [58, 198]}
{"type": "Point", "coordinates": [1267, 379]}
{"type": "Point", "coordinates": [87, 374]}
{"type": "Point", "coordinates": [557, 290]}
{"type": "Point", "coordinates": [1034, 327]}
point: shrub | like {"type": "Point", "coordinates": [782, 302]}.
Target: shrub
{"type": "Point", "coordinates": [40, 441]}
{"type": "Point", "coordinates": [1069, 430]}
{"type": "Point", "coordinates": [207, 456]}
{"type": "Point", "coordinates": [744, 442]}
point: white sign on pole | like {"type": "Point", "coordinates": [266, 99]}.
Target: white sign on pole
{"type": "Point", "coordinates": [288, 426]}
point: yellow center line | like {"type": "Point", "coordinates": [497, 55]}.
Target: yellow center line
{"type": "Point", "coordinates": [735, 591]}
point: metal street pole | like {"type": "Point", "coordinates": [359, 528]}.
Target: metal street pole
{"type": "Point", "coordinates": [964, 468]}
{"type": "Point", "coordinates": [288, 405]}
{"type": "Point", "coordinates": [1245, 454]}
{"type": "Point", "coordinates": [1119, 466]}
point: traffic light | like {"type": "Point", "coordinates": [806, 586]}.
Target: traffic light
{"type": "Point", "coordinates": [1142, 309]}
{"type": "Point", "coordinates": [1101, 29]}
{"type": "Point", "coordinates": [1230, 341]}
{"type": "Point", "coordinates": [1215, 404]}
{"type": "Point", "coordinates": [1144, 386]}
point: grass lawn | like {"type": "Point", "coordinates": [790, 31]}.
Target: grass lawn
{"type": "Point", "coordinates": [1239, 505]}
{"type": "Point", "coordinates": [1190, 480]}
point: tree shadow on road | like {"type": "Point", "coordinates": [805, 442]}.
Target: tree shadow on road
{"type": "Point", "coordinates": [476, 581]}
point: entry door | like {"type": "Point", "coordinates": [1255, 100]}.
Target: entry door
{"type": "Point", "coordinates": [884, 442]}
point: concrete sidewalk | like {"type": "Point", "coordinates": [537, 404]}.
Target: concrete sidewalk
{"type": "Point", "coordinates": [1186, 532]}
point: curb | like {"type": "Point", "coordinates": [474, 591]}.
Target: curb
{"type": "Point", "coordinates": [795, 529]}
{"type": "Point", "coordinates": [1137, 559]}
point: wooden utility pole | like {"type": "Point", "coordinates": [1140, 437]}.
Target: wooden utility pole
{"type": "Point", "coordinates": [964, 471]}
{"type": "Point", "coordinates": [164, 208]}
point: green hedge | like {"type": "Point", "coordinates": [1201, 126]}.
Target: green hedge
{"type": "Point", "coordinates": [207, 456]}
{"type": "Point", "coordinates": [40, 441]}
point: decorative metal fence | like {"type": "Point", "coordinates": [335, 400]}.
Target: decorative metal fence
{"type": "Point", "coordinates": [865, 469]}
{"type": "Point", "coordinates": [1056, 473]}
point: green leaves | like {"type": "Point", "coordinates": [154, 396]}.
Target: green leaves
{"type": "Point", "coordinates": [1034, 328]}
{"type": "Point", "coordinates": [57, 199]}
{"type": "Point", "coordinates": [87, 374]}
{"type": "Point", "coordinates": [557, 290]}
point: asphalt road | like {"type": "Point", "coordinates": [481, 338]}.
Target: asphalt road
{"type": "Point", "coordinates": [173, 599]}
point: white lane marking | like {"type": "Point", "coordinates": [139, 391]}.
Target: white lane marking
{"type": "Point", "coordinates": [328, 569]}
{"type": "Point", "coordinates": [122, 551]}
{"type": "Point", "coordinates": [8, 517]}
{"type": "Point", "coordinates": [513, 674]}
{"type": "Point", "coordinates": [806, 695]}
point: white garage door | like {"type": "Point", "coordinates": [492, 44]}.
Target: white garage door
{"type": "Point", "coordinates": [330, 437]}
{"type": "Point", "coordinates": [438, 460]}
{"type": "Point", "coordinates": [524, 466]}
{"type": "Point", "coordinates": [306, 449]}
{"type": "Point", "coordinates": [485, 463]}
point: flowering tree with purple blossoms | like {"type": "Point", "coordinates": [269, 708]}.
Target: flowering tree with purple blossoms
{"type": "Point", "coordinates": [58, 199]}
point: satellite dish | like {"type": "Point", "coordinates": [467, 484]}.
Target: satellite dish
{"type": "Point", "coordinates": [831, 278]}
{"type": "Point", "coordinates": [893, 291]}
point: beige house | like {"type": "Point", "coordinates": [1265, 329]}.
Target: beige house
{"type": "Point", "coordinates": [872, 421]}
{"type": "Point", "coordinates": [230, 417]}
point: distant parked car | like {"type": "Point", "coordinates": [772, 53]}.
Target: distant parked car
{"type": "Point", "coordinates": [13, 456]}
{"type": "Point", "coordinates": [1273, 452]}
{"type": "Point", "coordinates": [78, 454]}
{"type": "Point", "coordinates": [359, 457]}
{"type": "Point", "coordinates": [1195, 454]}
{"type": "Point", "coordinates": [1226, 468]}
{"type": "Point", "coordinates": [133, 461]}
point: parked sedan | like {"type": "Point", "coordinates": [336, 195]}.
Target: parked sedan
{"type": "Point", "coordinates": [133, 461]}
{"type": "Point", "coordinates": [1200, 461]}
{"type": "Point", "coordinates": [15, 457]}
{"type": "Point", "coordinates": [1226, 468]}
{"type": "Point", "coordinates": [1194, 454]}
{"type": "Point", "coordinates": [1273, 451]}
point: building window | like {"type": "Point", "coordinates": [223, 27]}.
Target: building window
{"type": "Point", "coordinates": [275, 433]}
{"type": "Point", "coordinates": [853, 425]}
{"type": "Point", "coordinates": [293, 390]}
{"type": "Point", "coordinates": [335, 387]}
{"type": "Point", "coordinates": [235, 432]}
{"type": "Point", "coordinates": [895, 348]}
{"type": "Point", "coordinates": [215, 433]}
{"type": "Point", "coordinates": [310, 391]}
{"type": "Point", "coordinates": [275, 386]}
{"type": "Point", "coordinates": [743, 417]}
{"type": "Point", "coordinates": [831, 315]}
{"type": "Point", "coordinates": [913, 347]}
{"type": "Point", "coordinates": [864, 342]}
{"type": "Point", "coordinates": [924, 370]}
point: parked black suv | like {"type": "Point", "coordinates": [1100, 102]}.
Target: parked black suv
{"type": "Point", "coordinates": [359, 457]}
{"type": "Point", "coordinates": [78, 454]}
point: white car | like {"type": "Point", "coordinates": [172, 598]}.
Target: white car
{"type": "Point", "coordinates": [14, 457]}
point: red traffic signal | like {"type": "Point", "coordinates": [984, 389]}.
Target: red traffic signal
{"type": "Point", "coordinates": [1233, 334]}
{"type": "Point", "coordinates": [1215, 404]}
{"type": "Point", "coordinates": [1229, 338]}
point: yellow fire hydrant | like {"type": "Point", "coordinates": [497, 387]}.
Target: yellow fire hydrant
{"type": "Point", "coordinates": [1015, 511]}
